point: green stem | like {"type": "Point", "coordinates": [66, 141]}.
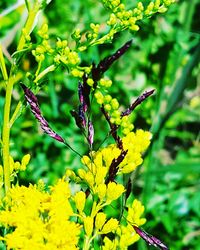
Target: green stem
{"type": "Point", "coordinates": [9, 87]}
{"type": "Point", "coordinates": [28, 26]}
{"type": "Point", "coordinates": [2, 65]}
{"type": "Point", "coordinates": [86, 245]}
{"type": "Point", "coordinates": [16, 113]}
{"type": "Point", "coordinates": [6, 135]}
{"type": "Point", "coordinates": [44, 72]}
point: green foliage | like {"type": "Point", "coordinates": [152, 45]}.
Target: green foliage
{"type": "Point", "coordinates": [165, 55]}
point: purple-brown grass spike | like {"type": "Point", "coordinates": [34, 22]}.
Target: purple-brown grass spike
{"type": "Point", "coordinates": [138, 101]}
{"type": "Point", "coordinates": [151, 240]}
{"type": "Point", "coordinates": [81, 115]}
{"type": "Point", "coordinates": [159, 243]}
{"type": "Point", "coordinates": [113, 128]}
{"type": "Point", "coordinates": [80, 92]}
{"type": "Point", "coordinates": [105, 64]}
{"type": "Point", "coordinates": [90, 133]}
{"type": "Point", "coordinates": [114, 166]}
{"type": "Point", "coordinates": [81, 96]}
{"type": "Point", "coordinates": [77, 118]}
{"type": "Point", "coordinates": [86, 92]}
{"type": "Point", "coordinates": [35, 109]}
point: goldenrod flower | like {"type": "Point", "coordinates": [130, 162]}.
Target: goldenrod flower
{"type": "Point", "coordinates": [100, 220]}
{"type": "Point", "coordinates": [134, 213]}
{"type": "Point", "coordinates": [101, 191]}
{"type": "Point", "coordinates": [88, 225]}
{"type": "Point", "coordinates": [79, 199]}
{"type": "Point", "coordinates": [110, 225]}
{"type": "Point", "coordinates": [114, 191]}
{"type": "Point", "coordinates": [40, 219]}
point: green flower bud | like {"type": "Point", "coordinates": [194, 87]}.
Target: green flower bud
{"type": "Point", "coordinates": [134, 27]}
{"type": "Point", "coordinates": [122, 6]}
{"type": "Point", "coordinates": [131, 127]}
{"type": "Point", "coordinates": [107, 98]}
{"type": "Point", "coordinates": [82, 48]}
{"type": "Point", "coordinates": [140, 6]}
{"type": "Point", "coordinates": [116, 113]}
{"type": "Point", "coordinates": [125, 131]}
{"type": "Point", "coordinates": [107, 107]}
{"type": "Point", "coordinates": [119, 15]}
{"type": "Point", "coordinates": [157, 4]}
{"type": "Point", "coordinates": [114, 103]}
{"type": "Point", "coordinates": [162, 9]}
{"type": "Point", "coordinates": [99, 97]}
{"type": "Point", "coordinates": [77, 73]}
{"type": "Point", "coordinates": [64, 43]}
{"type": "Point", "coordinates": [167, 2]}
{"type": "Point", "coordinates": [150, 6]}
{"type": "Point", "coordinates": [40, 50]}
{"type": "Point", "coordinates": [59, 44]}
{"type": "Point", "coordinates": [112, 120]}
{"type": "Point", "coordinates": [118, 121]}
{"type": "Point", "coordinates": [90, 82]}
{"type": "Point", "coordinates": [112, 20]}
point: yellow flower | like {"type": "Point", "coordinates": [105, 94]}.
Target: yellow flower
{"type": "Point", "coordinates": [110, 226]}
{"type": "Point", "coordinates": [109, 244]}
{"type": "Point", "coordinates": [88, 225]}
{"type": "Point", "coordinates": [101, 191]}
{"type": "Point", "coordinates": [79, 199]}
{"type": "Point", "coordinates": [100, 220]}
{"type": "Point", "coordinates": [135, 212]}
{"type": "Point", "coordinates": [40, 220]}
{"type": "Point", "coordinates": [127, 236]}
{"type": "Point", "coordinates": [114, 191]}
{"type": "Point", "coordinates": [25, 161]}
{"type": "Point", "coordinates": [100, 175]}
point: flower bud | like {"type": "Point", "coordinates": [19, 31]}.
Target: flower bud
{"type": "Point", "coordinates": [79, 199]}
{"type": "Point", "coordinates": [100, 220]}
{"type": "Point", "coordinates": [88, 225]}
{"type": "Point", "coordinates": [111, 225]}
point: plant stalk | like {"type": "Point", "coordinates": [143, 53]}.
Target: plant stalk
{"type": "Point", "coordinates": [9, 87]}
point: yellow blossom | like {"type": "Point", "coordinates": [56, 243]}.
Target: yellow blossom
{"type": "Point", "coordinates": [25, 161]}
{"type": "Point", "coordinates": [135, 212]}
{"type": "Point", "coordinates": [40, 219]}
{"type": "Point", "coordinates": [79, 199]}
{"type": "Point", "coordinates": [88, 225]}
{"type": "Point", "coordinates": [109, 244]}
{"type": "Point", "coordinates": [100, 220]}
{"type": "Point", "coordinates": [127, 236]}
{"type": "Point", "coordinates": [110, 226]}
{"type": "Point", "coordinates": [114, 191]}
{"type": "Point", "coordinates": [101, 191]}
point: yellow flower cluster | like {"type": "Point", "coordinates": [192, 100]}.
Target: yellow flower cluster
{"type": "Point", "coordinates": [43, 48]}
{"type": "Point", "coordinates": [15, 167]}
{"type": "Point", "coordinates": [125, 234]}
{"type": "Point", "coordinates": [124, 19]}
{"type": "Point", "coordinates": [99, 162]}
{"type": "Point", "coordinates": [41, 220]}
{"type": "Point", "coordinates": [61, 54]}
{"type": "Point", "coordinates": [65, 55]}
{"type": "Point", "coordinates": [111, 105]}
{"type": "Point", "coordinates": [95, 177]}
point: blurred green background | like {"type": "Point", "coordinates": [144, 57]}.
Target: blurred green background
{"type": "Point", "coordinates": [165, 55]}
